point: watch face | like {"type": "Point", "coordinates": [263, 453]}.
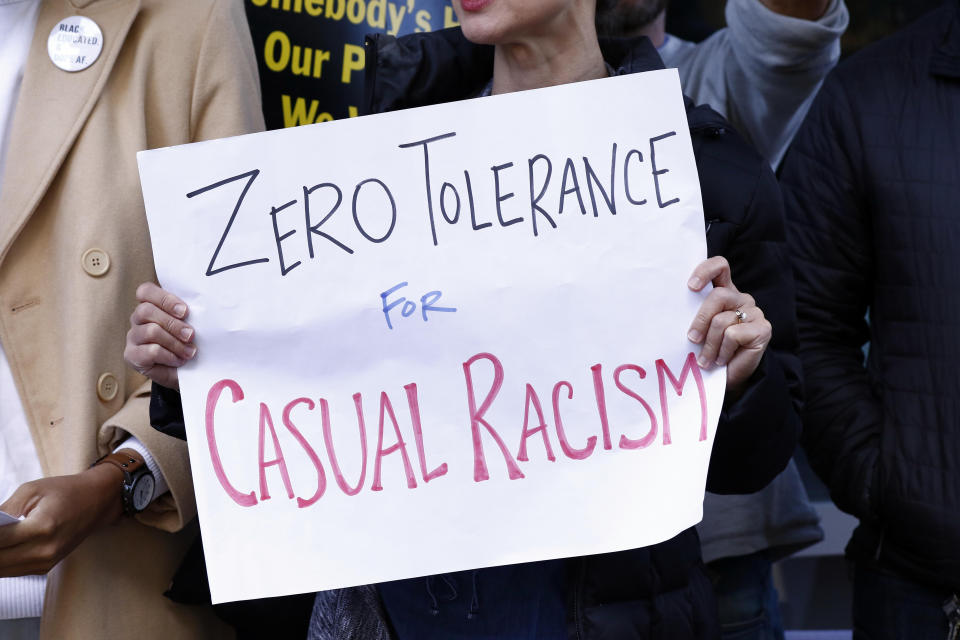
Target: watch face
{"type": "Point", "coordinates": [143, 492]}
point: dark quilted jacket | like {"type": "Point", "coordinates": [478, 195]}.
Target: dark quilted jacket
{"type": "Point", "coordinates": [872, 187]}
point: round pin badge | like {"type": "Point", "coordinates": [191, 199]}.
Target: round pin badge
{"type": "Point", "coordinates": [75, 43]}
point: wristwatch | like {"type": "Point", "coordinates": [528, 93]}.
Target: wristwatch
{"type": "Point", "coordinates": [138, 482]}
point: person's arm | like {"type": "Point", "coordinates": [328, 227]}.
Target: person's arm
{"type": "Point", "coordinates": [62, 511]}
{"type": "Point", "coordinates": [832, 251]}
{"type": "Point", "coordinates": [166, 412]}
{"type": "Point", "coordinates": [225, 101]}
{"type": "Point", "coordinates": [760, 427]}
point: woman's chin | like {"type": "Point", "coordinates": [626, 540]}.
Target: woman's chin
{"type": "Point", "coordinates": [480, 34]}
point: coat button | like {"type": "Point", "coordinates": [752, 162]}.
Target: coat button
{"type": "Point", "coordinates": [95, 262]}
{"type": "Point", "coordinates": [107, 387]}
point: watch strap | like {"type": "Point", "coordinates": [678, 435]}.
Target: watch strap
{"type": "Point", "coordinates": [122, 460]}
{"type": "Point", "coordinates": [132, 466]}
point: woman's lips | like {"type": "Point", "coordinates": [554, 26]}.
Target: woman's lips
{"type": "Point", "coordinates": [474, 5]}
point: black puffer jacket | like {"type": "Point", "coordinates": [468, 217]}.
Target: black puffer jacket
{"type": "Point", "coordinates": [872, 187]}
{"type": "Point", "coordinates": [659, 591]}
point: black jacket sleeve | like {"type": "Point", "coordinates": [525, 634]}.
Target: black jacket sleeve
{"type": "Point", "coordinates": [758, 431]}
{"type": "Point", "coordinates": [166, 412]}
{"type": "Point", "coordinates": [830, 240]}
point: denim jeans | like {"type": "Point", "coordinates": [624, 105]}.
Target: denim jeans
{"type": "Point", "coordinates": [514, 602]}
{"type": "Point", "coordinates": [20, 629]}
{"type": "Point", "coordinates": [746, 598]}
{"type": "Point", "coordinates": [888, 607]}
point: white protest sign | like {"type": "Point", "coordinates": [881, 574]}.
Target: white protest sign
{"type": "Point", "coordinates": [440, 339]}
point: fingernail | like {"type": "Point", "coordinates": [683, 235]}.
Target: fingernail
{"type": "Point", "coordinates": [693, 335]}
{"type": "Point", "coordinates": [694, 283]}
{"type": "Point", "coordinates": [186, 333]}
{"type": "Point", "coordinates": [179, 310]}
{"type": "Point", "coordinates": [191, 351]}
{"type": "Point", "coordinates": [703, 362]}
{"type": "Point", "coordinates": [721, 362]}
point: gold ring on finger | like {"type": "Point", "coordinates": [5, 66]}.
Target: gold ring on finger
{"type": "Point", "coordinates": [741, 316]}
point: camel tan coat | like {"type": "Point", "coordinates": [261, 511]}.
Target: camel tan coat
{"type": "Point", "coordinates": [74, 246]}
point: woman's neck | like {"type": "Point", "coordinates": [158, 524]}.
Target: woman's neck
{"type": "Point", "coordinates": [550, 60]}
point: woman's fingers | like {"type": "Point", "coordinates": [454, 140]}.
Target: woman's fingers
{"type": "Point", "coordinates": [159, 340]}
{"type": "Point", "coordinates": [148, 344]}
{"type": "Point", "coordinates": [747, 357]}
{"type": "Point", "coordinates": [715, 270]}
{"type": "Point", "coordinates": [162, 299]}
{"type": "Point", "coordinates": [753, 333]}
{"type": "Point", "coordinates": [719, 300]}
{"type": "Point", "coordinates": [737, 341]}
{"type": "Point", "coordinates": [148, 312]}
{"type": "Point", "coordinates": [719, 325]}
{"type": "Point", "coordinates": [155, 362]}
{"type": "Point", "coordinates": [729, 325]}
{"type": "Point", "coordinates": [739, 310]}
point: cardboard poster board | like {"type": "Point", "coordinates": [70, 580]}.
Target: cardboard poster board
{"type": "Point", "coordinates": [440, 339]}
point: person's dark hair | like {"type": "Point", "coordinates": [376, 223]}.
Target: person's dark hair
{"type": "Point", "coordinates": [619, 18]}
{"type": "Point", "coordinates": [604, 6]}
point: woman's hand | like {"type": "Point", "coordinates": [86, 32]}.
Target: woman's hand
{"type": "Point", "coordinates": [729, 324]}
{"type": "Point", "coordinates": [60, 513]}
{"type": "Point", "coordinates": [159, 340]}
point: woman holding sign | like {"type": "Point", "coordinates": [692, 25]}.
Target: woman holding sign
{"type": "Point", "coordinates": [658, 591]}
